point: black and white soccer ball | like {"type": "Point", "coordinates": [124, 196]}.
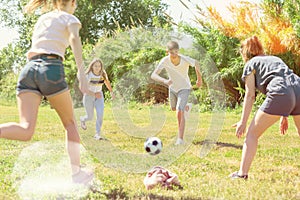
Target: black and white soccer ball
{"type": "Point", "coordinates": [153, 145]}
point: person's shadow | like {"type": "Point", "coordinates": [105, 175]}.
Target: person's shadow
{"type": "Point", "coordinates": [220, 144]}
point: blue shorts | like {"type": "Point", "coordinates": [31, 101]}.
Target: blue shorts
{"type": "Point", "coordinates": [45, 77]}
{"type": "Point", "coordinates": [179, 99]}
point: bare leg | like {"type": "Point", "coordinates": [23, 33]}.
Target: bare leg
{"type": "Point", "coordinates": [297, 123]}
{"type": "Point", "coordinates": [259, 124]}
{"type": "Point", "coordinates": [28, 105]}
{"type": "Point", "coordinates": [63, 105]}
{"type": "Point", "coordinates": [181, 124]}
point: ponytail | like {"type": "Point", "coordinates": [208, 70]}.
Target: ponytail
{"type": "Point", "coordinates": [32, 5]}
{"type": "Point", "coordinates": [45, 5]}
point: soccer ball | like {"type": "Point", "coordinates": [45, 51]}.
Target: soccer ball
{"type": "Point", "coordinates": [153, 145]}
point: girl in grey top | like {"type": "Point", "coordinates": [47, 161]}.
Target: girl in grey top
{"type": "Point", "coordinates": [271, 76]}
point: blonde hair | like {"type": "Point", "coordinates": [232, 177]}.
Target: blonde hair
{"type": "Point", "coordinates": [250, 48]}
{"type": "Point", "coordinates": [45, 5]}
{"type": "Point", "coordinates": [102, 71]}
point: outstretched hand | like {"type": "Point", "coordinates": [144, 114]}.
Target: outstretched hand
{"type": "Point", "coordinates": [284, 125]}
{"type": "Point", "coordinates": [240, 129]}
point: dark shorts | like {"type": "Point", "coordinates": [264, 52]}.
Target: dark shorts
{"type": "Point", "coordinates": [45, 77]}
{"type": "Point", "coordinates": [283, 105]}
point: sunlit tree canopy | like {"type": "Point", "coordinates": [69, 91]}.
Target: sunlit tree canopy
{"type": "Point", "coordinates": [270, 21]}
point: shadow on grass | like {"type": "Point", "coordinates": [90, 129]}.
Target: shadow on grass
{"type": "Point", "coordinates": [218, 144]}
{"type": "Point", "coordinates": [158, 197]}
{"type": "Point", "coordinates": [119, 193]}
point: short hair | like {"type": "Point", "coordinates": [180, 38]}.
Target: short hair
{"type": "Point", "coordinates": [172, 45]}
{"type": "Point", "coordinates": [250, 48]}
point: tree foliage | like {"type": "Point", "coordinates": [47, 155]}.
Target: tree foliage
{"type": "Point", "coordinates": [275, 22]}
{"type": "Point", "coordinates": [130, 57]}
{"type": "Point", "coordinates": [222, 50]}
{"type": "Point", "coordinates": [106, 17]}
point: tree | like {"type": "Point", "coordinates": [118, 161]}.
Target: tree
{"type": "Point", "coordinates": [109, 16]}
{"type": "Point", "coordinates": [275, 22]}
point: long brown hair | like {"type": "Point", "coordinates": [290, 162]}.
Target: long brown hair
{"type": "Point", "coordinates": [45, 5]}
{"type": "Point", "coordinates": [102, 71]}
{"type": "Point", "coordinates": [250, 48]}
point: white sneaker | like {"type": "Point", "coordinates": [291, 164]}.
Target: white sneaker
{"type": "Point", "coordinates": [83, 177]}
{"type": "Point", "coordinates": [98, 137]}
{"type": "Point", "coordinates": [187, 110]}
{"type": "Point", "coordinates": [179, 141]}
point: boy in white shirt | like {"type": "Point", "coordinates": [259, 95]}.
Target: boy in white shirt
{"type": "Point", "coordinates": [177, 67]}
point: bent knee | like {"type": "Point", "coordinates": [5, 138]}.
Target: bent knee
{"type": "Point", "coordinates": [173, 109]}
{"type": "Point", "coordinates": [251, 137]}
{"type": "Point", "coordinates": [27, 134]}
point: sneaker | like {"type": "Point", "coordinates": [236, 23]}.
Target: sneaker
{"type": "Point", "coordinates": [98, 137]}
{"type": "Point", "coordinates": [187, 110]}
{"type": "Point", "coordinates": [235, 175]}
{"type": "Point", "coordinates": [83, 177]}
{"type": "Point", "coordinates": [179, 141]}
{"type": "Point", "coordinates": [83, 125]}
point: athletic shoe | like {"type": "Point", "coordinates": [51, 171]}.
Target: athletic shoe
{"type": "Point", "coordinates": [83, 125]}
{"type": "Point", "coordinates": [235, 175]}
{"type": "Point", "coordinates": [179, 141]}
{"type": "Point", "coordinates": [187, 112]}
{"type": "Point", "coordinates": [98, 137]}
{"type": "Point", "coordinates": [83, 177]}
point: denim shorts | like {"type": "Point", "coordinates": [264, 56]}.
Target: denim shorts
{"type": "Point", "coordinates": [179, 99]}
{"type": "Point", "coordinates": [45, 77]}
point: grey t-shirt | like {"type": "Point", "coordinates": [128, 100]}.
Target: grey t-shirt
{"type": "Point", "coordinates": [270, 73]}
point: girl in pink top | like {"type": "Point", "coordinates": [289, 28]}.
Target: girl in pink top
{"type": "Point", "coordinates": [43, 75]}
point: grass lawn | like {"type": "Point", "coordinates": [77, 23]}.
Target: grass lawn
{"type": "Point", "coordinates": [120, 163]}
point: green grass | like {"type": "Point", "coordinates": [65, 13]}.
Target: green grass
{"type": "Point", "coordinates": [120, 163]}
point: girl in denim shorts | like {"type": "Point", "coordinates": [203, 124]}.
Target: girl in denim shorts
{"type": "Point", "coordinates": [43, 75]}
{"type": "Point", "coordinates": [271, 76]}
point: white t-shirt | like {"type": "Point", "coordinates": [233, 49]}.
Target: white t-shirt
{"type": "Point", "coordinates": [178, 73]}
{"type": "Point", "coordinates": [51, 34]}
{"type": "Point", "coordinates": [95, 82]}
